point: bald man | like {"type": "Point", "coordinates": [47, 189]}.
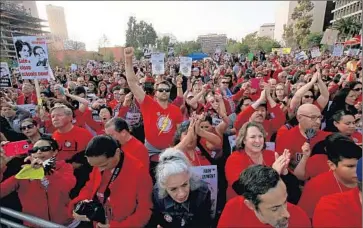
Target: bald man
{"type": "Point", "coordinates": [309, 117]}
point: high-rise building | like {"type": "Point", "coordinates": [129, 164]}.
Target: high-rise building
{"type": "Point", "coordinates": [31, 6]}
{"type": "Point", "coordinates": [267, 30]}
{"type": "Point", "coordinates": [347, 8]}
{"type": "Point", "coordinates": [211, 42]}
{"type": "Point", "coordinates": [16, 20]}
{"type": "Point", "coordinates": [285, 10]}
{"type": "Point", "coordinates": [57, 21]}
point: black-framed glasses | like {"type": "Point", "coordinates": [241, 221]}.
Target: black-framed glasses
{"type": "Point", "coordinates": [313, 118]}
{"type": "Point", "coordinates": [30, 126]}
{"type": "Point", "coordinates": [307, 97]}
{"type": "Point", "coordinates": [164, 90]}
{"type": "Point", "coordinates": [225, 82]}
{"type": "Point", "coordinates": [41, 148]}
{"type": "Point", "coordinates": [358, 89]}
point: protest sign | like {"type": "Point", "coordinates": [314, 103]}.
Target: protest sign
{"type": "Point", "coordinates": [250, 56]}
{"type": "Point", "coordinates": [157, 63]}
{"type": "Point", "coordinates": [147, 52]}
{"type": "Point", "coordinates": [209, 175]}
{"type": "Point", "coordinates": [353, 51]}
{"type": "Point", "coordinates": [282, 51]}
{"type": "Point", "coordinates": [32, 54]}
{"type": "Point", "coordinates": [30, 108]}
{"type": "Point", "coordinates": [330, 37]}
{"type": "Point", "coordinates": [338, 50]}
{"type": "Point", "coordinates": [315, 52]}
{"type": "Point", "coordinates": [170, 51]}
{"type": "Point", "coordinates": [185, 66]}
{"type": "Point", "coordinates": [301, 56]}
{"type": "Point", "coordinates": [5, 77]}
{"type": "Point", "coordinates": [73, 67]}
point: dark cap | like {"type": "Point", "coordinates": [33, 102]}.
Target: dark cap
{"type": "Point", "coordinates": [79, 90]}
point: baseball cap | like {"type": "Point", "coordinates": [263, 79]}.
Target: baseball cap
{"type": "Point", "coordinates": [359, 170]}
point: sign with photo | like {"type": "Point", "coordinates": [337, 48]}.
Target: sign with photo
{"type": "Point", "coordinates": [157, 63]}
{"type": "Point", "coordinates": [338, 50]}
{"type": "Point", "coordinates": [315, 52]}
{"type": "Point", "coordinates": [185, 66]}
{"type": "Point", "coordinates": [209, 174]}
{"type": "Point", "coordinates": [32, 55]}
{"type": "Point", "coordinates": [147, 52]}
{"type": "Point", "coordinates": [300, 56]}
{"type": "Point", "coordinates": [5, 76]}
{"type": "Point", "coordinates": [170, 51]}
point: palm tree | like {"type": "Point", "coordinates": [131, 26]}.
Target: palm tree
{"type": "Point", "coordinates": [347, 27]}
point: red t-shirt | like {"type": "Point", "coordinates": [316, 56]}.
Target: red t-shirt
{"type": "Point", "coordinates": [237, 214]}
{"type": "Point", "coordinates": [357, 137]}
{"type": "Point", "coordinates": [199, 159]}
{"type": "Point", "coordinates": [137, 150]}
{"type": "Point", "coordinates": [321, 185]}
{"type": "Point", "coordinates": [339, 210]}
{"type": "Point", "coordinates": [72, 142]}
{"type": "Point", "coordinates": [315, 165]}
{"type": "Point", "coordinates": [239, 161]}
{"type": "Point", "coordinates": [160, 124]}
{"type": "Point", "coordinates": [293, 141]}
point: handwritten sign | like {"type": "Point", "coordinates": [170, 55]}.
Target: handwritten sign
{"type": "Point", "coordinates": [157, 63]}
{"type": "Point", "coordinates": [186, 66]}
{"type": "Point", "coordinates": [32, 54]}
{"type": "Point", "coordinates": [209, 175]}
{"type": "Point", "coordinates": [5, 78]}
{"type": "Point", "coordinates": [338, 50]}
{"type": "Point", "coordinates": [315, 52]}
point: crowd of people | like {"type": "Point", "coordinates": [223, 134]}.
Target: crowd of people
{"type": "Point", "coordinates": [118, 144]}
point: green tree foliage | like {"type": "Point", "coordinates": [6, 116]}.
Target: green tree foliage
{"type": "Point", "coordinates": [252, 42]}
{"type": "Point", "coordinates": [163, 43]}
{"type": "Point", "coordinates": [313, 39]}
{"type": "Point", "coordinates": [139, 34]}
{"type": "Point", "coordinates": [288, 36]}
{"type": "Point", "coordinates": [187, 47]}
{"type": "Point", "coordinates": [347, 27]}
{"type": "Point", "coordinates": [303, 20]}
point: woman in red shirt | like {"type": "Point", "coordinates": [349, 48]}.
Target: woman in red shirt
{"type": "Point", "coordinates": [250, 145]}
{"type": "Point", "coordinates": [102, 90]}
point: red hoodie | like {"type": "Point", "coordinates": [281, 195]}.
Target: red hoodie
{"type": "Point", "coordinates": [49, 205]}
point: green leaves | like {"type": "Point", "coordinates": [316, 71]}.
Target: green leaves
{"type": "Point", "coordinates": [347, 26]}
{"type": "Point", "coordinates": [139, 34]}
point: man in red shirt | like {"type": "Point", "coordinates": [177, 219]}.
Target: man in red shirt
{"type": "Point", "coordinates": [72, 142]}
{"type": "Point", "coordinates": [341, 209]}
{"type": "Point", "coordinates": [161, 119]}
{"type": "Point", "coordinates": [263, 202]}
{"type": "Point", "coordinates": [119, 182]}
{"type": "Point", "coordinates": [119, 130]}
{"type": "Point", "coordinates": [257, 112]}
{"type": "Point", "coordinates": [309, 117]}
{"type": "Point", "coordinates": [343, 156]}
{"type": "Point", "coordinates": [27, 96]}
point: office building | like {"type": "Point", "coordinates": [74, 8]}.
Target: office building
{"type": "Point", "coordinates": [346, 9]}
{"type": "Point", "coordinates": [285, 10]}
{"type": "Point", "coordinates": [57, 21]}
{"type": "Point", "coordinates": [31, 6]}
{"type": "Point", "coordinates": [16, 20]}
{"type": "Point", "coordinates": [267, 30]}
{"type": "Point", "coordinates": [211, 42]}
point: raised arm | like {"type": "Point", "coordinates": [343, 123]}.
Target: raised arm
{"type": "Point", "coordinates": [132, 80]}
{"type": "Point", "coordinates": [323, 99]}
{"type": "Point", "coordinates": [296, 99]}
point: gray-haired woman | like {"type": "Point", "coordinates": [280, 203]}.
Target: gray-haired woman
{"type": "Point", "coordinates": [180, 198]}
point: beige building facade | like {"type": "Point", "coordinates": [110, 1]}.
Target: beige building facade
{"type": "Point", "coordinates": [57, 21]}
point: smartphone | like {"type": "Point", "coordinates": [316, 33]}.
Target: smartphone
{"type": "Point", "coordinates": [17, 148]}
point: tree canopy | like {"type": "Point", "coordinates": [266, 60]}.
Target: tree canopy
{"type": "Point", "coordinates": [140, 34]}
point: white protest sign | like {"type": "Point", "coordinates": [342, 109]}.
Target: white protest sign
{"type": "Point", "coordinates": [30, 108]}
{"type": "Point", "coordinates": [170, 51]}
{"type": "Point", "coordinates": [147, 52]}
{"type": "Point", "coordinates": [209, 175]}
{"type": "Point", "coordinates": [186, 66]}
{"type": "Point", "coordinates": [301, 56]}
{"type": "Point", "coordinates": [353, 51]}
{"type": "Point", "coordinates": [338, 50]}
{"type": "Point", "coordinates": [5, 77]}
{"type": "Point", "coordinates": [51, 75]}
{"type": "Point", "coordinates": [330, 37]}
{"type": "Point", "coordinates": [315, 52]}
{"type": "Point", "coordinates": [73, 67]}
{"type": "Point", "coordinates": [157, 63]}
{"type": "Point", "coordinates": [32, 54]}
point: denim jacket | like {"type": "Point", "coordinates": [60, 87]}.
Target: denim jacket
{"type": "Point", "coordinates": [195, 212]}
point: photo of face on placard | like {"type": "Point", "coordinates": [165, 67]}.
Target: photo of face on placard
{"type": "Point", "coordinates": [4, 72]}
{"type": "Point", "coordinates": [23, 49]}
{"type": "Point", "coordinates": [40, 56]}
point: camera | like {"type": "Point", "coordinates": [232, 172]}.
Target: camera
{"type": "Point", "coordinates": [93, 210]}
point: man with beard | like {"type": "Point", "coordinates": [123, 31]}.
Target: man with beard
{"type": "Point", "coordinates": [257, 112]}
{"type": "Point", "coordinates": [262, 202]}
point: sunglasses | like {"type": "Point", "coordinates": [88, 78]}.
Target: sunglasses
{"type": "Point", "coordinates": [41, 148]}
{"type": "Point", "coordinates": [225, 82]}
{"type": "Point", "coordinates": [307, 97]}
{"type": "Point", "coordinates": [357, 89]}
{"type": "Point", "coordinates": [164, 90]}
{"type": "Point", "coordinates": [30, 126]}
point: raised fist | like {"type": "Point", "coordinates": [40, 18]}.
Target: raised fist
{"type": "Point", "coordinates": [129, 52]}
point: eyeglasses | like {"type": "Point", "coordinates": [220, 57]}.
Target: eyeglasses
{"type": "Point", "coordinates": [307, 97]}
{"type": "Point", "coordinates": [41, 148]}
{"type": "Point", "coordinates": [225, 82]}
{"type": "Point", "coordinates": [30, 126]}
{"type": "Point", "coordinates": [314, 118]}
{"type": "Point", "coordinates": [357, 89]}
{"type": "Point", "coordinates": [164, 90]}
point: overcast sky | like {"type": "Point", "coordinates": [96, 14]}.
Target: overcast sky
{"type": "Point", "coordinates": [87, 21]}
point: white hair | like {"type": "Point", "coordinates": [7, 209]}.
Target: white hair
{"type": "Point", "coordinates": [173, 162]}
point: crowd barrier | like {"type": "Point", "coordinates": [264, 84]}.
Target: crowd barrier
{"type": "Point", "coordinates": [26, 218]}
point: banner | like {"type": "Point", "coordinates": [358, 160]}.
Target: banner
{"type": "Point", "coordinates": [5, 77]}
{"type": "Point", "coordinates": [338, 50]}
{"type": "Point", "coordinates": [353, 51]}
{"type": "Point", "coordinates": [250, 56]}
{"type": "Point", "coordinates": [209, 175]}
{"type": "Point", "coordinates": [301, 56]}
{"type": "Point", "coordinates": [157, 63]}
{"type": "Point", "coordinates": [186, 66]}
{"type": "Point", "coordinates": [315, 52]}
{"type": "Point", "coordinates": [32, 54]}
{"type": "Point", "coordinates": [282, 51]}
{"type": "Point", "coordinates": [73, 67]}
{"type": "Point", "coordinates": [330, 37]}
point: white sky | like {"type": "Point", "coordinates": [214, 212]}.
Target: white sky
{"type": "Point", "coordinates": [88, 20]}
